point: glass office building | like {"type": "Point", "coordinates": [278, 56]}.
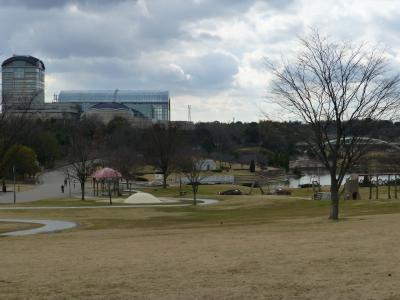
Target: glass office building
{"type": "Point", "coordinates": [22, 81]}
{"type": "Point", "coordinates": [154, 105]}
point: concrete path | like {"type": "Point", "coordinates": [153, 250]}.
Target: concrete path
{"type": "Point", "coordinates": [49, 226]}
{"type": "Point", "coordinates": [49, 188]}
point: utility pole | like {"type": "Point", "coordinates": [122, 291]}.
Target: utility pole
{"type": "Point", "coordinates": [180, 184]}
{"type": "Point", "coordinates": [15, 195]}
{"type": "Point", "coordinates": [189, 113]}
{"type": "Point", "coordinates": [69, 186]}
{"type": "Point", "coordinates": [109, 191]}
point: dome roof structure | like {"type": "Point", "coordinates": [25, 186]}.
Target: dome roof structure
{"type": "Point", "coordinates": [26, 58]}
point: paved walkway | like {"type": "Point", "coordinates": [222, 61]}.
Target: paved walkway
{"type": "Point", "coordinates": [49, 188]}
{"type": "Point", "coordinates": [49, 226]}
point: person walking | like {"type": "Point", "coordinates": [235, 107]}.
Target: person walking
{"type": "Point", "coordinates": [62, 188]}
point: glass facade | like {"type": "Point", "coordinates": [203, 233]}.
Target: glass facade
{"type": "Point", "coordinates": [22, 81]}
{"type": "Point", "coordinates": [19, 73]}
{"type": "Point", "coordinates": [151, 104]}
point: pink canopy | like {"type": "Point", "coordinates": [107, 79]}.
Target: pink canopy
{"type": "Point", "coordinates": [107, 173]}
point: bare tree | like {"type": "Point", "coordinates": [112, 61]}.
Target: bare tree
{"type": "Point", "coordinates": [81, 155]}
{"type": "Point", "coordinates": [192, 165]}
{"type": "Point", "coordinates": [162, 145]}
{"type": "Point", "coordinates": [330, 86]}
{"type": "Point", "coordinates": [125, 160]}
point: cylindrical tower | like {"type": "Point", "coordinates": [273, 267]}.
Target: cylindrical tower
{"type": "Point", "coordinates": [22, 82]}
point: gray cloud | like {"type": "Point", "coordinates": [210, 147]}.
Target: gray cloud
{"type": "Point", "coordinates": [48, 4]}
{"type": "Point", "coordinates": [214, 71]}
{"type": "Point", "coordinates": [198, 49]}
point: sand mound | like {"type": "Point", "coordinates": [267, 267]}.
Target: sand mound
{"type": "Point", "coordinates": [142, 198]}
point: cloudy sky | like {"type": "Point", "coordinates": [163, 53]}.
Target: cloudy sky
{"type": "Point", "coordinates": [208, 53]}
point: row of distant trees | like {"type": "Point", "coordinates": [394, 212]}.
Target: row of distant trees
{"type": "Point", "coordinates": [268, 143]}
{"type": "Point", "coordinates": [166, 148]}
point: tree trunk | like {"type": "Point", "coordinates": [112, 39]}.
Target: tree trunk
{"type": "Point", "coordinates": [4, 187]}
{"type": "Point", "coordinates": [194, 197]}
{"type": "Point", "coordinates": [195, 188]}
{"type": "Point", "coordinates": [83, 190]}
{"type": "Point", "coordinates": [334, 214]}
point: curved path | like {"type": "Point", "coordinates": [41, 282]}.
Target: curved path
{"type": "Point", "coordinates": [49, 226]}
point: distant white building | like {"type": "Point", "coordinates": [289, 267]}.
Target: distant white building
{"type": "Point", "coordinates": [207, 165]}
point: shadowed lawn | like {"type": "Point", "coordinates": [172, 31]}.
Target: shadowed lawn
{"type": "Point", "coordinates": [210, 191]}
{"type": "Point", "coordinates": [231, 210]}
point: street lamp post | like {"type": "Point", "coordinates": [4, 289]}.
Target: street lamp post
{"type": "Point", "coordinates": [69, 185]}
{"type": "Point", "coordinates": [109, 191]}
{"type": "Point", "coordinates": [15, 195]}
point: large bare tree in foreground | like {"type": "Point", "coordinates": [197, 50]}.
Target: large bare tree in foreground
{"type": "Point", "coordinates": [331, 86]}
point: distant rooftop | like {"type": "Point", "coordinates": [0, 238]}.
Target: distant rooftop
{"type": "Point", "coordinates": [26, 58]}
{"type": "Point", "coordinates": [124, 96]}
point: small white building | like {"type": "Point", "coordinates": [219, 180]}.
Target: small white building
{"type": "Point", "coordinates": [207, 165]}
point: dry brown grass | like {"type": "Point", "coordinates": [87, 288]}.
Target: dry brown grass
{"type": "Point", "coordinates": [10, 226]}
{"type": "Point", "coordinates": [303, 259]}
{"type": "Point", "coordinates": [242, 248]}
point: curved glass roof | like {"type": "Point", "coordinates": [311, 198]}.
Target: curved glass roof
{"type": "Point", "coordinates": [133, 96]}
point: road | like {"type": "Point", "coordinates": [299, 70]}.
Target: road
{"type": "Point", "coordinates": [49, 188]}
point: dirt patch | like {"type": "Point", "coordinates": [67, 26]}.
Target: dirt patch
{"type": "Point", "coordinates": [308, 258]}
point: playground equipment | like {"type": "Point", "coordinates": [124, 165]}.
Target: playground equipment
{"type": "Point", "coordinates": [352, 188]}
